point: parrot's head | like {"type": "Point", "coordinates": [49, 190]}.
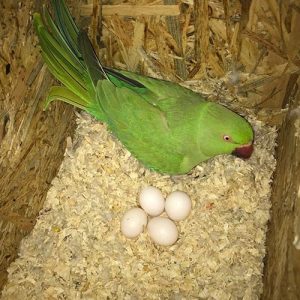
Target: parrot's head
{"type": "Point", "coordinates": [226, 132]}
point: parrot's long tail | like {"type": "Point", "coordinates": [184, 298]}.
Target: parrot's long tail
{"type": "Point", "coordinates": [71, 58]}
{"type": "Point", "coordinates": [59, 40]}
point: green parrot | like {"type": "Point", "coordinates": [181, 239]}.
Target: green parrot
{"type": "Point", "coordinates": [168, 128]}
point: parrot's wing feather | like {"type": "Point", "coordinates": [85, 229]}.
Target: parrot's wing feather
{"type": "Point", "coordinates": [90, 58]}
{"type": "Point", "coordinates": [125, 79]}
{"type": "Point", "coordinates": [162, 89]}
{"type": "Point", "coordinates": [140, 126]}
{"type": "Point", "coordinates": [178, 110]}
{"type": "Point", "coordinates": [95, 68]}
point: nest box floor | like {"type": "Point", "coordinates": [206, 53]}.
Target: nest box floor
{"type": "Point", "coordinates": [76, 250]}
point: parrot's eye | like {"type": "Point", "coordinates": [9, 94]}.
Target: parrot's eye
{"type": "Point", "coordinates": [227, 138]}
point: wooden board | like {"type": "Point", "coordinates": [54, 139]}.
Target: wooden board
{"type": "Point", "coordinates": [282, 270]}
{"type": "Point", "coordinates": [31, 141]}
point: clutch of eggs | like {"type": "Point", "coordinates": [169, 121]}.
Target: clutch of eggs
{"type": "Point", "coordinates": [162, 230]}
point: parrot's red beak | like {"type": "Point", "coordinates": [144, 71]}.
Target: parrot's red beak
{"type": "Point", "coordinates": [243, 151]}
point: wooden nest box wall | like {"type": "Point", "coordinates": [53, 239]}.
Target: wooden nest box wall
{"type": "Point", "coordinates": [250, 48]}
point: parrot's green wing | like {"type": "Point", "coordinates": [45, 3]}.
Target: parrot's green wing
{"type": "Point", "coordinates": [151, 117]}
{"type": "Point", "coordinates": [162, 89]}
{"type": "Point", "coordinates": [158, 138]}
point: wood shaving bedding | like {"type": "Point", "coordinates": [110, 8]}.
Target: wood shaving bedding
{"type": "Point", "coordinates": [76, 250]}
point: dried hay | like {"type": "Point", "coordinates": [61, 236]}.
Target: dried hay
{"type": "Point", "coordinates": [254, 48]}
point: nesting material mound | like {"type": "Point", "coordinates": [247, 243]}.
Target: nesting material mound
{"type": "Point", "coordinates": [76, 250]}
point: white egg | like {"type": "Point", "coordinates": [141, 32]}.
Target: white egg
{"type": "Point", "coordinates": [178, 205]}
{"type": "Point", "coordinates": [133, 222]}
{"type": "Point", "coordinates": [162, 231]}
{"type": "Point", "coordinates": [152, 201]}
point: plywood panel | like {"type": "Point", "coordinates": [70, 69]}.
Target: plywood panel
{"type": "Point", "coordinates": [282, 271]}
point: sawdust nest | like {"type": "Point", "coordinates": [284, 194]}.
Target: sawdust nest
{"type": "Point", "coordinates": [76, 250]}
